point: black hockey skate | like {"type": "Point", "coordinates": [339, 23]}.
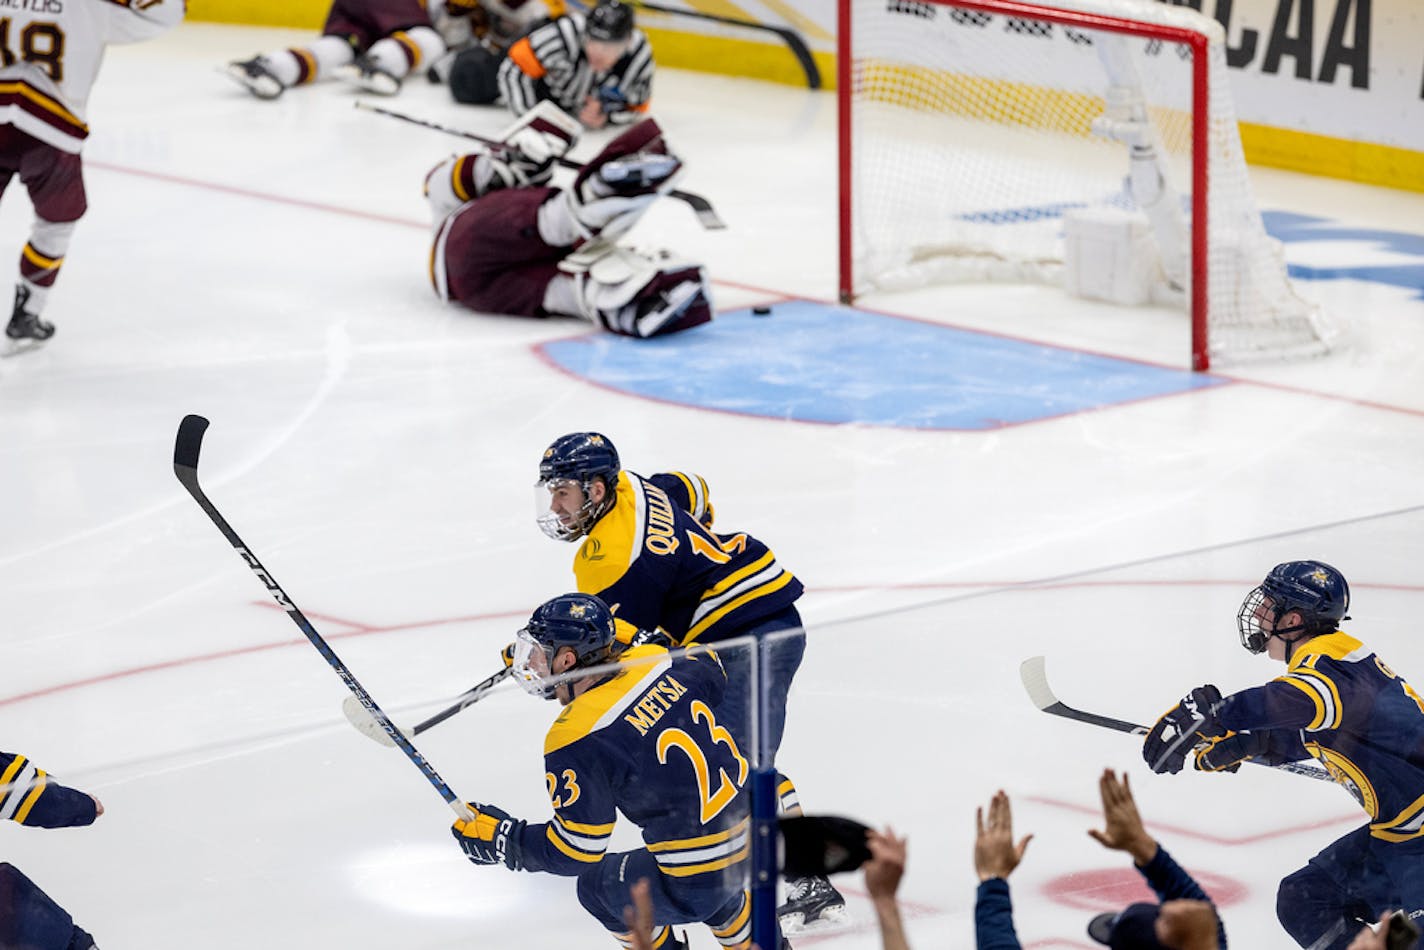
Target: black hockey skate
{"type": "Point", "coordinates": [256, 78]}
{"type": "Point", "coordinates": [812, 904]}
{"type": "Point", "coordinates": [25, 325]}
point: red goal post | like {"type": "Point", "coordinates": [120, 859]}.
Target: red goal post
{"type": "Point", "coordinates": [1003, 140]}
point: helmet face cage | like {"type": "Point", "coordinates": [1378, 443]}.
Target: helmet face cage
{"type": "Point", "coordinates": [1255, 609]}
{"type": "Point", "coordinates": [1313, 589]}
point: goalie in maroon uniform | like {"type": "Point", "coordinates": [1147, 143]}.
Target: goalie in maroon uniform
{"type": "Point", "coordinates": [506, 242]}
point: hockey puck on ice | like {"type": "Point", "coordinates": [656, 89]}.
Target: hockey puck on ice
{"type": "Point", "coordinates": [761, 311]}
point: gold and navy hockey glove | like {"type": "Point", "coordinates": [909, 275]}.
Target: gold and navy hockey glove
{"type": "Point", "coordinates": [1225, 754]}
{"type": "Point", "coordinates": [491, 838]}
{"type": "Point", "coordinates": [1182, 728]}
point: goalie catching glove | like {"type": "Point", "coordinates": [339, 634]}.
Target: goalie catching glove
{"type": "Point", "coordinates": [613, 190]}
{"type": "Point", "coordinates": [1182, 728]}
{"type": "Point", "coordinates": [492, 837]}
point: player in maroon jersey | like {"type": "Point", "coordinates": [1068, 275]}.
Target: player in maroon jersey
{"type": "Point", "coordinates": [506, 242]}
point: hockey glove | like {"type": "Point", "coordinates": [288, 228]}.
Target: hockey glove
{"type": "Point", "coordinates": [538, 139]}
{"type": "Point", "coordinates": [1182, 728]}
{"type": "Point", "coordinates": [492, 838]}
{"type": "Point", "coordinates": [1228, 752]}
{"type": "Point", "coordinates": [507, 655]}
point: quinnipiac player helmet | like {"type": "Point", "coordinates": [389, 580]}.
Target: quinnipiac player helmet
{"type": "Point", "coordinates": [1313, 589]}
{"type": "Point", "coordinates": [581, 622]}
{"type": "Point", "coordinates": [579, 457]}
{"type": "Point", "coordinates": [611, 21]}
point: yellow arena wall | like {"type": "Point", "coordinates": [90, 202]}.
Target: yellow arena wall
{"type": "Point", "coordinates": [716, 51]}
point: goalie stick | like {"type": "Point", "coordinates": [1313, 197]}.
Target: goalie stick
{"type": "Point", "coordinates": [186, 448]}
{"type": "Point", "coordinates": [707, 216]}
{"type": "Point", "coordinates": [372, 729]}
{"type": "Point", "coordinates": [1034, 674]}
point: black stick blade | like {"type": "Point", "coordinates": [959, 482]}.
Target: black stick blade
{"type": "Point", "coordinates": [188, 445]}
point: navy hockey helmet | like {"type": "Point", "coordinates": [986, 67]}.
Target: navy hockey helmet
{"type": "Point", "coordinates": [578, 458]}
{"type": "Point", "coordinates": [611, 21]}
{"type": "Point", "coordinates": [1314, 590]}
{"type": "Point", "coordinates": [580, 622]}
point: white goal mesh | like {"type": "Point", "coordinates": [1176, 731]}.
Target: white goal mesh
{"type": "Point", "coordinates": [969, 130]}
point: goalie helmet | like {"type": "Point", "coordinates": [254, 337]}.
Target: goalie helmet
{"type": "Point", "coordinates": [581, 622]}
{"type": "Point", "coordinates": [576, 459]}
{"type": "Point", "coordinates": [1313, 589]}
{"type": "Point", "coordinates": [611, 21]}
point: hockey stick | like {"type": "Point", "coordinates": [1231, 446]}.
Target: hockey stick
{"type": "Point", "coordinates": [372, 729]}
{"type": "Point", "coordinates": [186, 449]}
{"type": "Point", "coordinates": [707, 216]}
{"type": "Point", "coordinates": [1034, 674]}
{"type": "Point", "coordinates": [789, 36]}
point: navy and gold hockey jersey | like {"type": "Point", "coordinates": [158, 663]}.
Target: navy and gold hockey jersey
{"type": "Point", "coordinates": [1339, 703]}
{"type": "Point", "coordinates": [28, 795]}
{"type": "Point", "coordinates": [646, 742]}
{"type": "Point", "coordinates": [655, 565]}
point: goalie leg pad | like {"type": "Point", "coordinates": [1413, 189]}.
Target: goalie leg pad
{"type": "Point", "coordinates": [634, 295]}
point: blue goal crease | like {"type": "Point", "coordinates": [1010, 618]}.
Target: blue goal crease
{"type": "Point", "coordinates": [819, 363]}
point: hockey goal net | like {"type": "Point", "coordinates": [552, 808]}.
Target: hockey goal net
{"type": "Point", "coordinates": [1090, 143]}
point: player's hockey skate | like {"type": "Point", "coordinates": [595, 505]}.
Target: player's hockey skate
{"type": "Point", "coordinates": [365, 74]}
{"type": "Point", "coordinates": [812, 904]}
{"type": "Point", "coordinates": [254, 76]}
{"type": "Point", "coordinates": [26, 328]}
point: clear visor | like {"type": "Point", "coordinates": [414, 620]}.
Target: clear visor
{"type": "Point", "coordinates": [531, 665]}
{"type": "Point", "coordinates": [560, 508]}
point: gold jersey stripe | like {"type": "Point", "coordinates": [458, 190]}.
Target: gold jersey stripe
{"type": "Point", "coordinates": [751, 595]}
{"type": "Point", "coordinates": [568, 849]}
{"type": "Point", "coordinates": [33, 797]}
{"type": "Point", "coordinates": [687, 844]}
{"type": "Point", "coordinates": [688, 870]}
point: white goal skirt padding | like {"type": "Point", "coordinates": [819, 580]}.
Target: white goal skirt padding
{"type": "Point", "coordinates": [973, 128]}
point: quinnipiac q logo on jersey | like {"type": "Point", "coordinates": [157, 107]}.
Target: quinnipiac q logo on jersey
{"type": "Point", "coordinates": [592, 550]}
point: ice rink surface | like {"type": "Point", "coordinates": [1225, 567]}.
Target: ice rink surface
{"type": "Point", "coordinates": [263, 264]}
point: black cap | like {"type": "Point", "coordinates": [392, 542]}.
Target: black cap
{"type": "Point", "coordinates": [611, 21]}
{"type": "Point", "coordinates": [1133, 928]}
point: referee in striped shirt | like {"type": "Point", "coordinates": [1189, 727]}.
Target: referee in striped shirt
{"type": "Point", "coordinates": [598, 67]}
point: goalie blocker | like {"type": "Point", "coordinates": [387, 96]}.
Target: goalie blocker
{"type": "Point", "coordinates": [507, 243]}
